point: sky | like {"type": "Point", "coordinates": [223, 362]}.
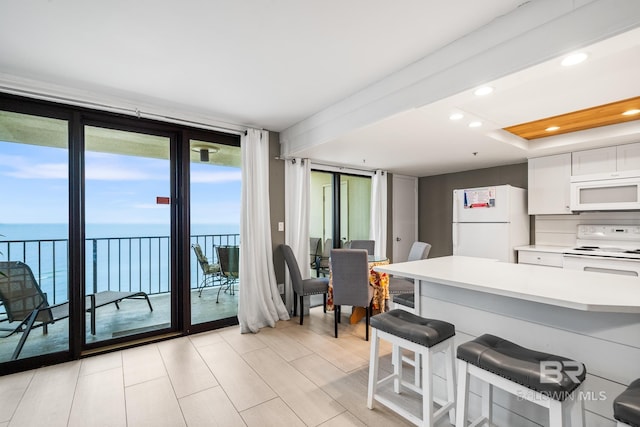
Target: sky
{"type": "Point", "coordinates": [119, 189]}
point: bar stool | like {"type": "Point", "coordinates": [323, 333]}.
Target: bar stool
{"type": "Point", "coordinates": [538, 377]}
{"type": "Point", "coordinates": [425, 337]}
{"type": "Point", "coordinates": [626, 407]}
{"type": "Point", "coordinates": [407, 302]}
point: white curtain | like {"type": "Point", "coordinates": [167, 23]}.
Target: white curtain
{"type": "Point", "coordinates": [260, 303]}
{"type": "Point", "coordinates": [378, 222]}
{"type": "Point", "coordinates": [297, 200]}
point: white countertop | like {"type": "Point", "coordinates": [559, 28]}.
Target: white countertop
{"type": "Point", "coordinates": [574, 289]}
{"type": "Point", "coordinates": [543, 248]}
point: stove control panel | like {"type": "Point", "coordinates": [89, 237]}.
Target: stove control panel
{"type": "Point", "coordinates": [609, 232]}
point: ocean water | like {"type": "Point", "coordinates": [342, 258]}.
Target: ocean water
{"type": "Point", "coordinates": [119, 257]}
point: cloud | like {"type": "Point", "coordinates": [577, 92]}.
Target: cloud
{"type": "Point", "coordinates": [215, 177]}
{"type": "Point", "coordinates": [116, 173]}
{"type": "Point", "coordinates": [150, 206]}
{"type": "Point", "coordinates": [37, 170]}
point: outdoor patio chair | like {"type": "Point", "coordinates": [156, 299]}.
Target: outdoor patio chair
{"type": "Point", "coordinates": [315, 253]}
{"type": "Point", "coordinates": [323, 263]}
{"type": "Point", "coordinates": [25, 303]}
{"type": "Point", "coordinates": [210, 272]}
{"type": "Point", "coordinates": [229, 257]}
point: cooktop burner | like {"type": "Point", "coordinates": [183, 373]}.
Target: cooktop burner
{"type": "Point", "coordinates": [612, 241]}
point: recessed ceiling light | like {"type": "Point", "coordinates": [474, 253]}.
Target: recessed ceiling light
{"type": "Point", "coordinates": [552, 128]}
{"type": "Point", "coordinates": [631, 112]}
{"type": "Point", "coordinates": [475, 124]}
{"type": "Point", "coordinates": [482, 91]}
{"type": "Point", "coordinates": [574, 59]}
{"type": "Point", "coordinates": [456, 116]}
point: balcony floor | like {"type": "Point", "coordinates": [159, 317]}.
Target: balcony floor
{"type": "Point", "coordinates": [133, 317]}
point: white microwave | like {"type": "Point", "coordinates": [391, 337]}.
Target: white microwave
{"type": "Point", "coordinates": [612, 194]}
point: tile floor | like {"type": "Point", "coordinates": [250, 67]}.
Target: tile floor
{"type": "Point", "coordinates": [290, 375]}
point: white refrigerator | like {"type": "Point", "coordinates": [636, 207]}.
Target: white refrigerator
{"type": "Point", "coordinates": [489, 222]}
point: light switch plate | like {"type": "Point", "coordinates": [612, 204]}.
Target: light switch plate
{"type": "Point", "coordinates": [281, 226]}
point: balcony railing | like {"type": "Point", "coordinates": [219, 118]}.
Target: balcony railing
{"type": "Point", "coordinates": [112, 263]}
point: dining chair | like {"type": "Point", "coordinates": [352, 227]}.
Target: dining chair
{"type": "Point", "coordinates": [350, 279]}
{"type": "Point", "coordinates": [369, 245]}
{"type": "Point", "coordinates": [401, 285]}
{"type": "Point", "coordinates": [303, 287]}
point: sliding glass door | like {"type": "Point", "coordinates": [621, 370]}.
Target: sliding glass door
{"type": "Point", "coordinates": [128, 262]}
{"type": "Point", "coordinates": [33, 236]}
{"type": "Point", "coordinates": [102, 215]}
{"type": "Point", "coordinates": [215, 178]}
{"type": "Point", "coordinates": [340, 209]}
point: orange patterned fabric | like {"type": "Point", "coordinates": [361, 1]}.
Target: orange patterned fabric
{"type": "Point", "coordinates": [379, 281]}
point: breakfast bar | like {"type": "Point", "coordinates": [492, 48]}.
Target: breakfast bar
{"type": "Point", "coordinates": [590, 317]}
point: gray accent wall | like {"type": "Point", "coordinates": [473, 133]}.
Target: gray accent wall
{"type": "Point", "coordinates": [276, 200]}
{"type": "Point", "coordinates": [435, 200]}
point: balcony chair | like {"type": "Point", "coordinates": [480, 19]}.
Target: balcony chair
{"type": "Point", "coordinates": [401, 285]}
{"type": "Point", "coordinates": [303, 287]}
{"type": "Point", "coordinates": [350, 279]}
{"type": "Point", "coordinates": [369, 245]}
{"type": "Point", "coordinates": [228, 257]}
{"type": "Point", "coordinates": [25, 303]}
{"type": "Point", "coordinates": [323, 264]}
{"type": "Point", "coordinates": [210, 272]}
{"type": "Point", "coordinates": [315, 254]}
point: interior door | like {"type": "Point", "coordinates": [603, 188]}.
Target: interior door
{"type": "Point", "coordinates": [405, 215]}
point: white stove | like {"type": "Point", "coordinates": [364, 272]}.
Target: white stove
{"type": "Point", "coordinates": [606, 249]}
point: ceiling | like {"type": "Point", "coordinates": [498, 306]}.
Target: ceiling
{"type": "Point", "coordinates": [271, 64]}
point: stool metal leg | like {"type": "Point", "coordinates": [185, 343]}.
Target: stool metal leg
{"type": "Point", "coordinates": [576, 410]}
{"type": "Point", "coordinates": [487, 402]}
{"type": "Point", "coordinates": [463, 389]}
{"type": "Point", "coordinates": [427, 389]}
{"type": "Point", "coordinates": [373, 367]}
{"type": "Point", "coordinates": [397, 367]}
{"type": "Point", "coordinates": [555, 413]}
{"type": "Point", "coordinates": [450, 374]}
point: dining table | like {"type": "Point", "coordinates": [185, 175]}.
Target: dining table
{"type": "Point", "coordinates": [380, 283]}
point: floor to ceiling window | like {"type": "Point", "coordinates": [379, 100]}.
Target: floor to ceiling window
{"type": "Point", "coordinates": [127, 233]}
{"type": "Point", "coordinates": [215, 178]}
{"type": "Point", "coordinates": [340, 209]}
{"type": "Point", "coordinates": [34, 185]}
{"type": "Point", "coordinates": [97, 238]}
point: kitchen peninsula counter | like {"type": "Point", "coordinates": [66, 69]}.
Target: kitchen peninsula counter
{"type": "Point", "coordinates": [565, 288]}
{"type": "Point", "coordinates": [590, 317]}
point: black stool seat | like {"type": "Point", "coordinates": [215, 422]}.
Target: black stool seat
{"type": "Point", "coordinates": [401, 323]}
{"type": "Point", "coordinates": [405, 299]}
{"type": "Point", "coordinates": [626, 407]}
{"type": "Point", "coordinates": [523, 366]}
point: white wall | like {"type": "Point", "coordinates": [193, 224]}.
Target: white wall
{"type": "Point", "coordinates": [561, 230]}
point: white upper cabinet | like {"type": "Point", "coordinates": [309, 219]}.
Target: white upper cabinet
{"type": "Point", "coordinates": [549, 179]}
{"type": "Point", "coordinates": [589, 162]}
{"type": "Point", "coordinates": [606, 160]}
{"type": "Point", "coordinates": [628, 157]}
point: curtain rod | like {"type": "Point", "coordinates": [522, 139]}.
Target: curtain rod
{"type": "Point", "coordinates": [237, 130]}
{"type": "Point", "coordinates": [345, 168]}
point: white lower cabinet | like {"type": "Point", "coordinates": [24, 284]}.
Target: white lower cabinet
{"type": "Point", "coordinates": [550, 259]}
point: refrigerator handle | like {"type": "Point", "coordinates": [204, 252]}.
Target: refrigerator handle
{"type": "Point", "coordinates": [455, 206]}
{"type": "Point", "coordinates": [454, 237]}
